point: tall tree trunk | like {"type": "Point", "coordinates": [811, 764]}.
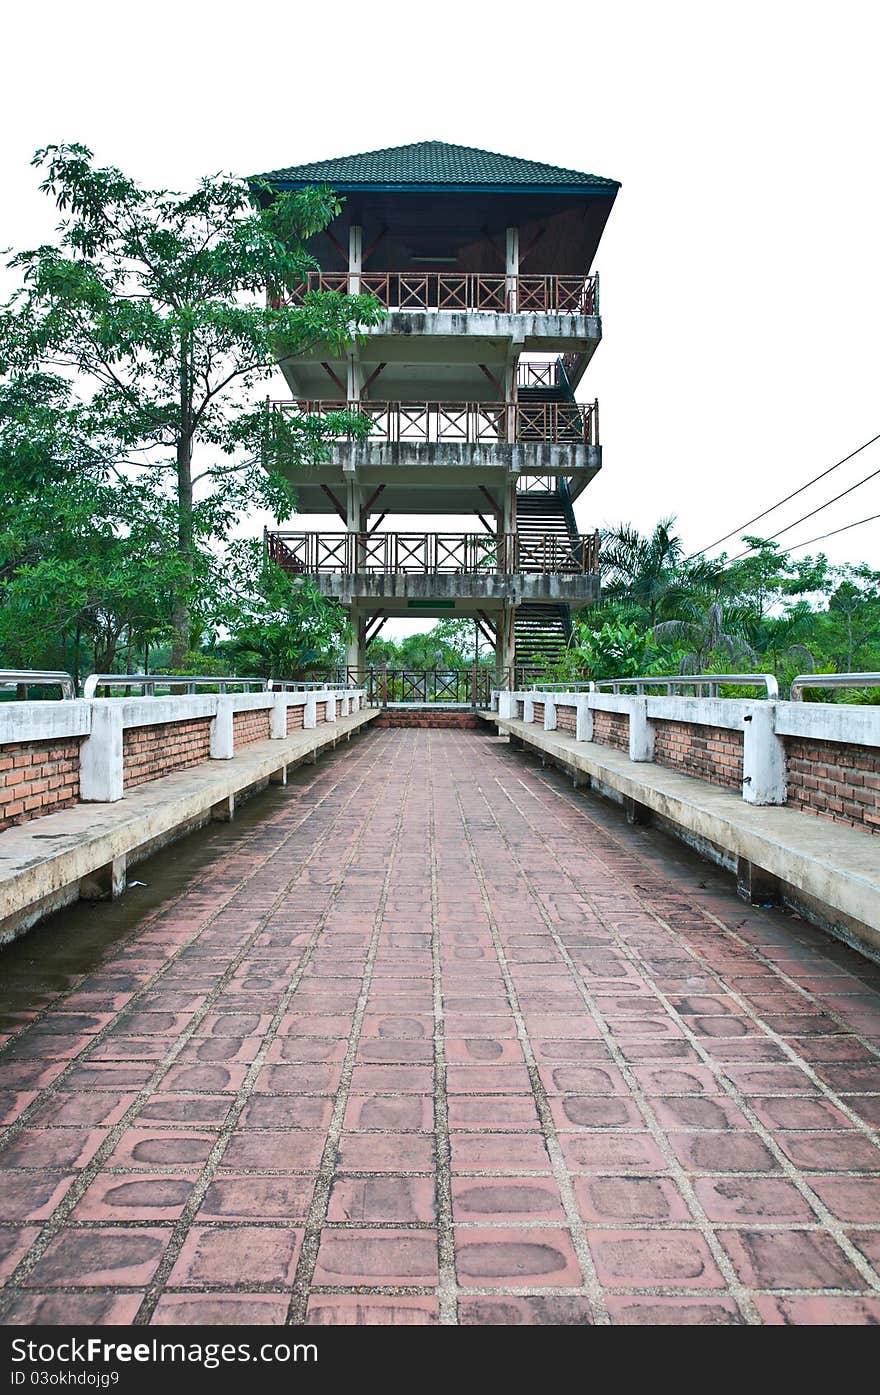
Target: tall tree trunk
{"type": "Point", "coordinates": [181, 611]}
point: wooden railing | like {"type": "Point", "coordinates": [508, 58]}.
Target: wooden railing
{"type": "Point", "coordinates": [468, 422]}
{"type": "Point", "coordinates": [436, 554]}
{"type": "Point", "coordinates": [462, 290]}
{"type": "Point", "coordinates": [542, 375]}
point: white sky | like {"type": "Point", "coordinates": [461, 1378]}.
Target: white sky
{"type": "Point", "coordinates": [740, 266]}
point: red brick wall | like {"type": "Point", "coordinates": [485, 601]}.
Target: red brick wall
{"type": "Point", "coordinates": [566, 720]}
{"type": "Point", "coordinates": [250, 726]}
{"type": "Point", "coordinates": [148, 752]}
{"type": "Point", "coordinates": [710, 753]}
{"type": "Point", "coordinates": [320, 712]}
{"type": "Point", "coordinates": [418, 717]}
{"type": "Point", "coordinates": [295, 717]}
{"type": "Point", "coordinates": [611, 729]}
{"type": "Point", "coordinates": [835, 780]}
{"type": "Point", "coordinates": [37, 778]}
{"type": "Point", "coordinates": [539, 714]}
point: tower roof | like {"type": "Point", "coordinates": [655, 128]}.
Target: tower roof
{"type": "Point", "coordinates": [434, 164]}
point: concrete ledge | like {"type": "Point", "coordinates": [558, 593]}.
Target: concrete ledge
{"type": "Point", "coordinates": [83, 851]}
{"type": "Point", "coordinates": [833, 867]}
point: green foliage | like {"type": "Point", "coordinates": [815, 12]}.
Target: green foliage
{"type": "Point", "coordinates": [167, 312]}
{"type": "Point", "coordinates": [279, 626]}
{"type": "Point", "coordinates": [450, 644]}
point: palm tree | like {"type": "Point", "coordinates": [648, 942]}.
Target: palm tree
{"type": "Point", "coordinates": [701, 632]}
{"type": "Point", "coordinates": [650, 573]}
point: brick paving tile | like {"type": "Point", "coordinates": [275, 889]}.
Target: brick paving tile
{"type": "Point", "coordinates": [421, 1038]}
{"type": "Point", "coordinates": [99, 1258]}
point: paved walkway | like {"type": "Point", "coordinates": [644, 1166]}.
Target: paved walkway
{"type": "Point", "coordinates": [435, 1039]}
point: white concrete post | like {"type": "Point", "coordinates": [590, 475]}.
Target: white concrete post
{"type": "Point", "coordinates": [223, 731]}
{"type": "Point", "coordinates": [641, 731]}
{"type": "Point", "coordinates": [100, 761]}
{"type": "Point", "coordinates": [549, 712]}
{"type": "Point", "coordinates": [512, 267]}
{"type": "Point", "coordinates": [330, 708]}
{"type": "Point", "coordinates": [355, 258]}
{"type": "Point", "coordinates": [507, 704]}
{"type": "Point", "coordinates": [763, 756]}
{"type": "Point", "coordinates": [310, 711]}
{"type": "Point", "coordinates": [278, 716]}
{"type": "Point", "coordinates": [528, 708]}
{"type": "Point", "coordinates": [584, 720]}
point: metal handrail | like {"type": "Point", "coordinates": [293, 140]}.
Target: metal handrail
{"type": "Point", "coordinates": [712, 681]}
{"type": "Point", "coordinates": [149, 682]}
{"type": "Point", "coordinates": [832, 680]}
{"type": "Point", "coordinates": [39, 678]}
{"type": "Point", "coordinates": [293, 685]}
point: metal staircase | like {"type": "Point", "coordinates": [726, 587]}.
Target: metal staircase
{"type": "Point", "coordinates": [567, 418]}
{"type": "Point", "coordinates": [542, 632]}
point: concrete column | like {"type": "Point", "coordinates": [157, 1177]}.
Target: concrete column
{"type": "Point", "coordinates": [549, 712]}
{"type": "Point", "coordinates": [355, 653]}
{"type": "Point", "coordinates": [222, 731]}
{"type": "Point", "coordinates": [764, 778]}
{"type": "Point", "coordinates": [100, 761]}
{"type": "Point", "coordinates": [279, 776]}
{"type": "Point", "coordinates": [507, 704]}
{"type": "Point", "coordinates": [355, 258]}
{"type": "Point", "coordinates": [105, 883]}
{"type": "Point", "coordinates": [584, 719]}
{"type": "Point", "coordinates": [636, 813]}
{"type": "Point", "coordinates": [505, 646]}
{"type": "Point", "coordinates": [330, 707]}
{"type": "Point", "coordinates": [512, 267]}
{"type": "Point", "coordinates": [224, 810]}
{"type": "Point", "coordinates": [755, 885]}
{"type": "Point", "coordinates": [278, 716]}
{"type": "Point", "coordinates": [310, 711]}
{"type": "Point", "coordinates": [641, 731]}
{"type": "Point", "coordinates": [528, 708]}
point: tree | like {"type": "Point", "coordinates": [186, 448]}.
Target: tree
{"type": "Point", "coordinates": [701, 632]}
{"type": "Point", "coordinates": [81, 558]}
{"type": "Point", "coordinates": [279, 626]}
{"type": "Point", "coordinates": [169, 309]}
{"type": "Point", "coordinates": [648, 574]}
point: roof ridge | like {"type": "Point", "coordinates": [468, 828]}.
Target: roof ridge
{"type": "Point", "coordinates": [453, 164]}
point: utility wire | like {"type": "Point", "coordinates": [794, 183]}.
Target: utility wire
{"type": "Point", "coordinates": [822, 536]}
{"type": "Point", "coordinates": [773, 507]}
{"type": "Point", "coordinates": [842, 495]}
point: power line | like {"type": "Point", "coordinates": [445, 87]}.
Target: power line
{"type": "Point", "coordinates": [787, 529]}
{"type": "Point", "coordinates": [773, 507]}
{"type": "Point", "coordinates": [822, 536]}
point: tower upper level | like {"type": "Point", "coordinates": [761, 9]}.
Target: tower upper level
{"type": "Point", "coordinates": [432, 205]}
{"type": "Point", "coordinates": [478, 257]}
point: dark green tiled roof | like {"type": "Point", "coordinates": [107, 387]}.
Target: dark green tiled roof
{"type": "Point", "coordinates": [432, 163]}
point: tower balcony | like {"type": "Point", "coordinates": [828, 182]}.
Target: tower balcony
{"type": "Point", "coordinates": [462, 290]}
{"type": "Point", "coordinates": [444, 332]}
{"type": "Point", "coordinates": [443, 457]}
{"type": "Point", "coordinates": [463, 423]}
{"type": "Point", "coordinates": [458, 571]}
